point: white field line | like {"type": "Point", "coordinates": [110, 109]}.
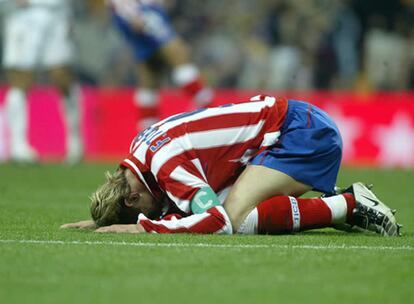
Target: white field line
{"type": "Point", "coordinates": [207, 245]}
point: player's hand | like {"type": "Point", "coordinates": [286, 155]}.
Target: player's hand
{"type": "Point", "coordinates": [134, 228]}
{"type": "Point", "coordinates": [88, 224]}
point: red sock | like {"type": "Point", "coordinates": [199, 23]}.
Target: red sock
{"type": "Point", "coordinates": [147, 112]}
{"type": "Point", "coordinates": [146, 116]}
{"type": "Point", "coordinates": [284, 214]}
{"type": "Point", "coordinates": [193, 87]}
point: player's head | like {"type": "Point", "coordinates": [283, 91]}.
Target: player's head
{"type": "Point", "coordinates": [107, 201]}
{"type": "Point", "coordinates": [115, 202]}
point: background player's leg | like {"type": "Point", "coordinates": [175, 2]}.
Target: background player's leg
{"type": "Point", "coordinates": [22, 43]}
{"type": "Point", "coordinates": [57, 58]}
{"type": "Point", "coordinates": [147, 97]}
{"type": "Point", "coordinates": [185, 74]}
{"type": "Point", "coordinates": [17, 115]}
{"type": "Point", "coordinates": [63, 80]}
{"type": "Point", "coordinates": [255, 185]}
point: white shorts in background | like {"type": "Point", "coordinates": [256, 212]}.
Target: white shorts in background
{"type": "Point", "coordinates": [36, 37]}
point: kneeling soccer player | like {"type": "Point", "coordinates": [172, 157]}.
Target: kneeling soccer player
{"type": "Point", "coordinates": [238, 168]}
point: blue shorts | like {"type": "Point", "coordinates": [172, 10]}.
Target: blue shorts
{"type": "Point", "coordinates": [146, 43]}
{"type": "Point", "coordinates": [309, 148]}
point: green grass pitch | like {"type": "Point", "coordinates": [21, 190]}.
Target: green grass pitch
{"type": "Point", "coordinates": [41, 264]}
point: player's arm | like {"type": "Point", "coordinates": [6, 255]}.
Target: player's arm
{"type": "Point", "coordinates": [208, 217]}
{"type": "Point", "coordinates": [132, 228]}
{"type": "Point", "coordinates": [90, 224]}
{"type": "Point", "coordinates": [87, 224]}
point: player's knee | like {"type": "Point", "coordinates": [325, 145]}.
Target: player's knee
{"type": "Point", "coordinates": [147, 76]}
{"type": "Point", "coordinates": [176, 53]}
{"type": "Point", "coordinates": [20, 79]}
{"type": "Point", "coordinates": [61, 78]}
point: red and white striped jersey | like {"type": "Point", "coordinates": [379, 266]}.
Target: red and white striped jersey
{"type": "Point", "coordinates": [204, 148]}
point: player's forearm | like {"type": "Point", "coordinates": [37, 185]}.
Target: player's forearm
{"type": "Point", "coordinates": [209, 217]}
{"type": "Point", "coordinates": [213, 221]}
{"type": "Point", "coordinates": [87, 224]}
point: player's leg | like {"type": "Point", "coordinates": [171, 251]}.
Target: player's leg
{"type": "Point", "coordinates": [144, 46]}
{"type": "Point", "coordinates": [160, 37]}
{"type": "Point", "coordinates": [57, 58]}
{"type": "Point", "coordinates": [356, 209]}
{"type": "Point", "coordinates": [22, 37]}
{"type": "Point", "coordinates": [184, 73]}
{"type": "Point", "coordinates": [309, 151]}
{"type": "Point", "coordinates": [255, 185]}
{"type": "Point", "coordinates": [17, 115]}
{"type": "Point", "coordinates": [287, 214]}
{"type": "Point", "coordinates": [146, 97]}
{"type": "Point", "coordinates": [70, 92]}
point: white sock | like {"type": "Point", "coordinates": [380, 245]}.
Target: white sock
{"type": "Point", "coordinates": [16, 113]}
{"type": "Point", "coordinates": [71, 102]}
{"type": "Point", "coordinates": [147, 102]}
{"type": "Point", "coordinates": [146, 98]}
{"type": "Point", "coordinates": [338, 206]}
{"type": "Point", "coordinates": [204, 97]}
{"type": "Point", "coordinates": [250, 224]}
{"type": "Point", "coordinates": [184, 74]}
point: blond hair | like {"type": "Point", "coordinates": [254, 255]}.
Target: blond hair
{"type": "Point", "coordinates": [107, 202]}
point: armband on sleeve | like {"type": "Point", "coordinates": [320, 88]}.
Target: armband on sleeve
{"type": "Point", "coordinates": [204, 199]}
{"type": "Point", "coordinates": [208, 217]}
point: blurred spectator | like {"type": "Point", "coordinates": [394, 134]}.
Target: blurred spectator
{"type": "Point", "coordinates": [386, 56]}
{"type": "Point", "coordinates": [346, 35]}
{"type": "Point", "coordinates": [285, 57]}
{"type": "Point", "coordinates": [102, 57]}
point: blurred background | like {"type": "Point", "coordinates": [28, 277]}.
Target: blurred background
{"type": "Point", "coordinates": [266, 44]}
{"type": "Point", "coordinates": [354, 58]}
